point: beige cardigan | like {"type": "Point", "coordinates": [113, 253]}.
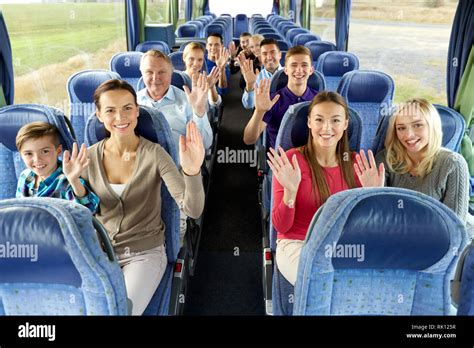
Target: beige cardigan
{"type": "Point", "coordinates": [133, 221]}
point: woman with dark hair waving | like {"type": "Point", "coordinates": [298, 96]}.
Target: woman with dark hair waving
{"type": "Point", "coordinates": [414, 158]}
{"type": "Point", "coordinates": [126, 171]}
{"type": "Point", "coordinates": [305, 177]}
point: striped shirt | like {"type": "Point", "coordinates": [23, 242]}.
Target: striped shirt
{"type": "Point", "coordinates": [57, 186]}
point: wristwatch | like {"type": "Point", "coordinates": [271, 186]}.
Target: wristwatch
{"type": "Point", "coordinates": [291, 203]}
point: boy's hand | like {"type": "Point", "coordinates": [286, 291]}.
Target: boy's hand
{"type": "Point", "coordinates": [75, 163]}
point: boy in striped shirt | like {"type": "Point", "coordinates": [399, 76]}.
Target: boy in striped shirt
{"type": "Point", "coordinates": [45, 176]}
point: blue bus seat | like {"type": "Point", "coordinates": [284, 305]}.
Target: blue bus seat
{"type": "Point", "coordinates": [127, 65]}
{"type": "Point", "coordinates": [371, 94]}
{"type": "Point", "coordinates": [334, 64]}
{"type": "Point", "coordinates": [153, 45]}
{"type": "Point", "coordinates": [393, 267]}
{"type": "Point", "coordinates": [70, 274]}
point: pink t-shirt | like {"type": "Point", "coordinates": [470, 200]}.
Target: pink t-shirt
{"type": "Point", "coordinates": [294, 223]}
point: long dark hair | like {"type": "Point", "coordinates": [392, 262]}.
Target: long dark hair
{"type": "Point", "coordinates": [342, 151]}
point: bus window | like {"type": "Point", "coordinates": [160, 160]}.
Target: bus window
{"type": "Point", "coordinates": [408, 40]}
{"type": "Point", "coordinates": [51, 41]}
{"type": "Point", "coordinates": [247, 7]}
{"type": "Point", "coordinates": [323, 19]}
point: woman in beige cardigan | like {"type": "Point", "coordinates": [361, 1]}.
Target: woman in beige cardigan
{"type": "Point", "coordinates": [126, 172]}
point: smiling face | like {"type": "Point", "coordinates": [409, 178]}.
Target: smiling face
{"type": "Point", "coordinates": [299, 68]}
{"type": "Point", "coordinates": [270, 56]}
{"type": "Point", "coordinates": [41, 155]}
{"type": "Point", "coordinates": [244, 43]}
{"type": "Point", "coordinates": [156, 74]}
{"type": "Point", "coordinates": [412, 131]}
{"type": "Point", "coordinates": [254, 46]}
{"type": "Point", "coordinates": [194, 61]}
{"type": "Point", "coordinates": [327, 122]}
{"type": "Point", "coordinates": [213, 46]}
{"type": "Point", "coordinates": [118, 112]}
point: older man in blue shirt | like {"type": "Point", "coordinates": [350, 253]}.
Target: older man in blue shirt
{"type": "Point", "coordinates": [177, 106]}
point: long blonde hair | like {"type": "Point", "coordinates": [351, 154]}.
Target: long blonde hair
{"type": "Point", "coordinates": [397, 157]}
{"type": "Point", "coordinates": [342, 150]}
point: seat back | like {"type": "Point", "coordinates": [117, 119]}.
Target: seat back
{"type": "Point", "coordinates": [371, 94]}
{"type": "Point", "coordinates": [177, 60]}
{"type": "Point", "coordinates": [385, 265]}
{"type": "Point", "coordinates": [153, 45]}
{"type": "Point", "coordinates": [188, 30]}
{"type": "Point", "coordinates": [241, 24]}
{"type": "Point", "coordinates": [319, 47]}
{"type": "Point", "coordinates": [452, 123]}
{"type": "Point", "coordinates": [12, 118]}
{"type": "Point", "coordinates": [280, 80]}
{"type": "Point", "coordinates": [334, 64]}
{"type": "Point", "coordinates": [61, 268]}
{"type": "Point", "coordinates": [127, 65]}
{"type": "Point", "coordinates": [282, 44]}
{"type": "Point", "coordinates": [291, 34]}
{"type": "Point", "coordinates": [466, 290]}
{"type": "Point", "coordinates": [301, 39]}
{"type": "Point", "coordinates": [81, 87]}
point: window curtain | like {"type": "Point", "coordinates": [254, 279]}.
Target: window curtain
{"type": "Point", "coordinates": [462, 37]}
{"type": "Point", "coordinates": [343, 14]}
{"type": "Point", "coordinates": [465, 105]}
{"type": "Point", "coordinates": [188, 8]}
{"type": "Point", "coordinates": [173, 12]}
{"type": "Point", "coordinates": [306, 14]}
{"type": "Point", "coordinates": [135, 22]}
{"type": "Point", "coordinates": [6, 66]}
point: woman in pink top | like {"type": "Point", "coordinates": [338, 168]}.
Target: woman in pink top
{"type": "Point", "coordinates": [305, 177]}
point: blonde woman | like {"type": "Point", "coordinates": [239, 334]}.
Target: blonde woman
{"type": "Point", "coordinates": [193, 57]}
{"type": "Point", "coordinates": [414, 158]}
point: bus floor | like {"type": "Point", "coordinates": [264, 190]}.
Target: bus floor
{"type": "Point", "coordinates": [228, 274]}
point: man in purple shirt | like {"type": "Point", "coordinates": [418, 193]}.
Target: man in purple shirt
{"type": "Point", "coordinates": [269, 110]}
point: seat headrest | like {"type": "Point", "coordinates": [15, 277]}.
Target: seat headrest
{"type": "Point", "coordinates": [336, 63]}
{"type": "Point", "coordinates": [82, 85]}
{"type": "Point", "coordinates": [387, 228]}
{"type": "Point", "coordinates": [319, 47]}
{"type": "Point", "coordinates": [454, 126]}
{"type": "Point", "coordinates": [362, 86]}
{"type": "Point", "coordinates": [13, 117]}
{"type": "Point", "coordinates": [127, 64]}
{"type": "Point", "coordinates": [33, 244]}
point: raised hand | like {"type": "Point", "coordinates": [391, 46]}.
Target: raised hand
{"type": "Point", "coordinates": [287, 173]}
{"type": "Point", "coordinates": [75, 162]}
{"type": "Point", "coordinates": [198, 96]}
{"type": "Point", "coordinates": [262, 96]}
{"type": "Point", "coordinates": [191, 150]}
{"type": "Point", "coordinates": [367, 171]}
{"type": "Point", "coordinates": [223, 58]}
{"type": "Point", "coordinates": [213, 77]}
{"type": "Point", "coordinates": [248, 72]}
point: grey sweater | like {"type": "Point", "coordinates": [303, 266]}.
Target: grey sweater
{"type": "Point", "coordinates": [133, 220]}
{"type": "Point", "coordinates": [448, 181]}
